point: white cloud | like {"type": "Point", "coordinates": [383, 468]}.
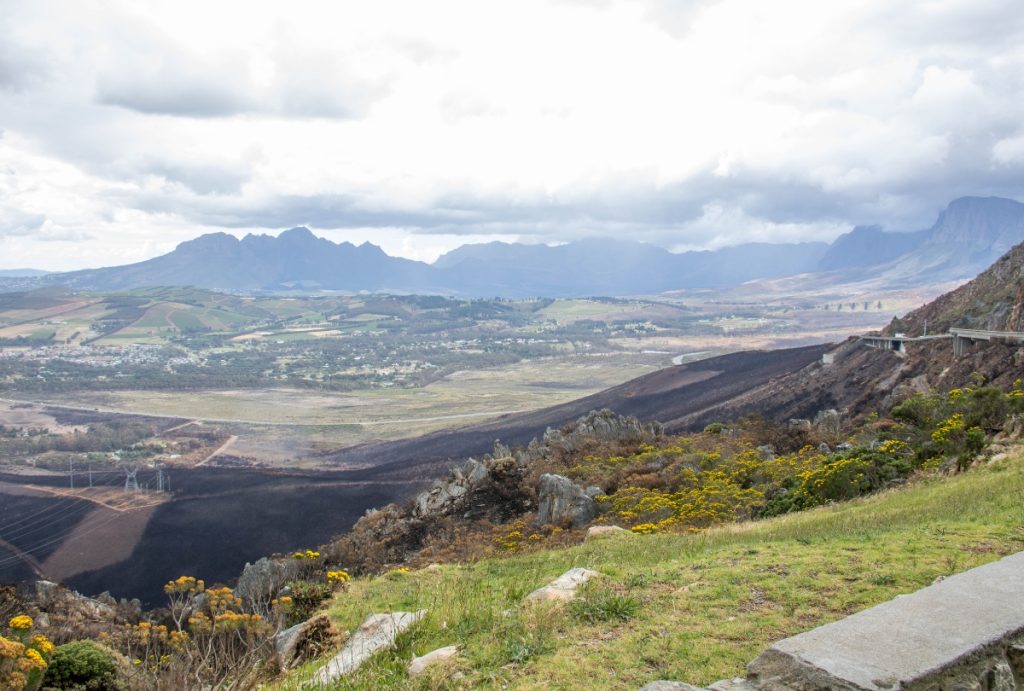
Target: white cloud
{"type": "Point", "coordinates": [682, 122]}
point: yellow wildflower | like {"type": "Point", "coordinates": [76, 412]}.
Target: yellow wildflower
{"type": "Point", "coordinates": [37, 660]}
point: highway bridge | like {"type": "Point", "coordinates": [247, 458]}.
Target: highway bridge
{"type": "Point", "coordinates": [963, 339]}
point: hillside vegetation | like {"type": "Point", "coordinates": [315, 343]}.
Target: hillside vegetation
{"type": "Point", "coordinates": [689, 607]}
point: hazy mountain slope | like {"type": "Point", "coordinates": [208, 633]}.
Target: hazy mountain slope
{"type": "Point", "coordinates": [968, 236]}
{"type": "Point", "coordinates": [586, 267]}
{"type": "Point", "coordinates": [616, 267]}
{"type": "Point", "coordinates": [993, 301]}
{"type": "Point", "coordinates": [868, 246]}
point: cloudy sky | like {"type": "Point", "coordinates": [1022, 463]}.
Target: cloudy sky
{"type": "Point", "coordinates": [127, 127]}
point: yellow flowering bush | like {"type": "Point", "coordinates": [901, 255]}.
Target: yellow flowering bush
{"type": "Point", "coordinates": [706, 498]}
{"type": "Point", "coordinates": [23, 656]}
{"type": "Point", "coordinates": [644, 528]}
{"type": "Point", "coordinates": [338, 577]}
{"type": "Point", "coordinates": [511, 539]}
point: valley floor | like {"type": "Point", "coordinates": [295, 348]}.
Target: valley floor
{"type": "Point", "coordinates": [690, 607]}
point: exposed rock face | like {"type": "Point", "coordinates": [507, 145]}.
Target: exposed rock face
{"type": "Point", "coordinates": [564, 587]}
{"type": "Point", "coordinates": [51, 597]}
{"type": "Point", "coordinates": [600, 425]}
{"type": "Point", "coordinates": [262, 581]}
{"type": "Point", "coordinates": [377, 632]}
{"type": "Point", "coordinates": [304, 641]}
{"type": "Point", "coordinates": [446, 495]}
{"type": "Point", "coordinates": [490, 490]}
{"type": "Point", "coordinates": [563, 501]}
{"type": "Point", "coordinates": [55, 607]}
{"type": "Point", "coordinates": [419, 665]}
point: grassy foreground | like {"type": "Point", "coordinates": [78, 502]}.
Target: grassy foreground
{"type": "Point", "coordinates": [696, 607]}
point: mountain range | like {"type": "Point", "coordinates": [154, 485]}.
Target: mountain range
{"type": "Point", "coordinates": [967, 236]}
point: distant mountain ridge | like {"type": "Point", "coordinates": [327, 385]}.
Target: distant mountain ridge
{"type": "Point", "coordinates": [22, 273]}
{"type": "Point", "coordinates": [968, 236]}
{"type": "Point", "coordinates": [993, 301]}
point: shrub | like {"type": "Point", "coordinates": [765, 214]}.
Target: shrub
{"type": "Point", "coordinates": [84, 666]}
{"type": "Point", "coordinates": [307, 596]}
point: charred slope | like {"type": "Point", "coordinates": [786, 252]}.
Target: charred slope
{"type": "Point", "coordinates": [672, 396]}
{"type": "Point", "coordinates": [862, 380]}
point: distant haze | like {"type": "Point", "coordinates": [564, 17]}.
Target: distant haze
{"type": "Point", "coordinates": [129, 127]}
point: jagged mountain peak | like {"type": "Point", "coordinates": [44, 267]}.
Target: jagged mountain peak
{"type": "Point", "coordinates": [980, 223]}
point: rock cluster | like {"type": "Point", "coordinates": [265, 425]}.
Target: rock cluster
{"type": "Point", "coordinates": [497, 489]}
{"type": "Point", "coordinates": [560, 500]}
{"type": "Point", "coordinates": [74, 613]}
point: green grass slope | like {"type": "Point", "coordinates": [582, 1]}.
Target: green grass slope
{"type": "Point", "coordinates": [688, 607]}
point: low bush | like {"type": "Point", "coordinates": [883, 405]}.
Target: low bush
{"type": "Point", "coordinates": [85, 666]}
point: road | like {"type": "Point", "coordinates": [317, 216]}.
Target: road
{"type": "Point", "coordinates": [220, 449]}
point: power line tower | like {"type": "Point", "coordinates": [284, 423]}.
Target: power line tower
{"type": "Point", "coordinates": [131, 482]}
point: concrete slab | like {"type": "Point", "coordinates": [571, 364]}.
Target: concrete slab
{"type": "Point", "coordinates": [962, 632]}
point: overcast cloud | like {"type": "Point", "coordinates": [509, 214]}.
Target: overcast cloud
{"type": "Point", "coordinates": [127, 127]}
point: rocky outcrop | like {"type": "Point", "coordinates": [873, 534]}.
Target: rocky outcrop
{"type": "Point", "coordinates": [564, 587]}
{"type": "Point", "coordinates": [560, 501]}
{"type": "Point", "coordinates": [261, 581]}
{"type": "Point", "coordinates": [71, 612]}
{"type": "Point", "coordinates": [500, 488]}
{"type": "Point", "coordinates": [597, 425]}
{"type": "Point", "coordinates": [376, 633]}
{"type": "Point", "coordinates": [446, 495]}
